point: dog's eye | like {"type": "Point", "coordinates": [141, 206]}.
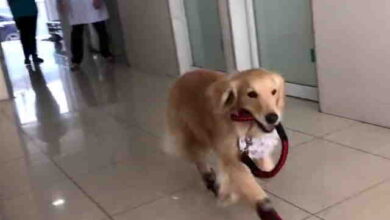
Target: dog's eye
{"type": "Point", "coordinates": [252, 94]}
{"type": "Point", "coordinates": [274, 92]}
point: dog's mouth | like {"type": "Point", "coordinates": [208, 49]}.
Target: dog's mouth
{"type": "Point", "coordinates": [264, 128]}
{"type": "Point", "coordinates": [245, 115]}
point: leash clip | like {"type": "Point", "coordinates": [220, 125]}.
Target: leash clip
{"type": "Point", "coordinates": [248, 143]}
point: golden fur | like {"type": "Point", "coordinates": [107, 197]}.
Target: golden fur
{"type": "Point", "coordinates": [199, 109]}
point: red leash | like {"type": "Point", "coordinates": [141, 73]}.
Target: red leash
{"type": "Point", "coordinates": [244, 116]}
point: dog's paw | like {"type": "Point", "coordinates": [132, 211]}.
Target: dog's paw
{"type": "Point", "coordinates": [210, 180]}
{"type": "Point", "coordinates": [266, 164]}
{"type": "Point", "coordinates": [266, 211]}
{"type": "Point", "coordinates": [226, 199]}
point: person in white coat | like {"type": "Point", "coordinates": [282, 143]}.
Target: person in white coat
{"type": "Point", "coordinates": [79, 13]}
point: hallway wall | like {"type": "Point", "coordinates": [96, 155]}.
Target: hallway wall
{"type": "Point", "coordinates": [353, 47]}
{"type": "Point", "coordinates": [148, 36]}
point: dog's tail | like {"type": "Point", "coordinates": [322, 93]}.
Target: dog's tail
{"type": "Point", "coordinates": [173, 146]}
{"type": "Point", "coordinates": [170, 145]}
{"type": "Point", "coordinates": [172, 140]}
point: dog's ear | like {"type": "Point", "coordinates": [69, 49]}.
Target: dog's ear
{"type": "Point", "coordinates": [223, 95]}
{"type": "Point", "coordinates": [280, 102]}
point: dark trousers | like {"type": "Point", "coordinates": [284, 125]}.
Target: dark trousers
{"type": "Point", "coordinates": [77, 41]}
{"type": "Point", "coordinates": [27, 27]}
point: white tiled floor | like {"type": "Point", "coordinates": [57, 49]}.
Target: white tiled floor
{"type": "Point", "coordinates": [86, 146]}
{"type": "Point", "coordinates": [313, 218]}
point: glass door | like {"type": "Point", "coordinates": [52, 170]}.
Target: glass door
{"type": "Point", "coordinates": [285, 40]}
{"type": "Point", "coordinates": [202, 34]}
{"type": "Point", "coordinates": [205, 34]}
{"type": "Point", "coordinates": [236, 35]}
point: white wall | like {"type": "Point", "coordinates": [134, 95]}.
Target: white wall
{"type": "Point", "coordinates": [148, 36]}
{"type": "Point", "coordinates": [353, 47]}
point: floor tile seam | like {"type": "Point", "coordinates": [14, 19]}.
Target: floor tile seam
{"type": "Point", "coordinates": [355, 149]}
{"type": "Point", "coordinates": [84, 192]}
{"type": "Point", "coordinates": [350, 125]}
{"type": "Point", "coordinates": [308, 217]}
{"type": "Point", "coordinates": [306, 142]}
{"type": "Point", "coordinates": [135, 125]}
{"type": "Point", "coordinates": [337, 143]}
{"type": "Point", "coordinates": [353, 196]}
{"type": "Point", "coordinates": [162, 197]}
{"type": "Point", "coordinates": [25, 192]}
{"type": "Point", "coordinates": [289, 202]}
{"type": "Point", "coordinates": [302, 132]}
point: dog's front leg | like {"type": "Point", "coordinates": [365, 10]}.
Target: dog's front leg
{"type": "Point", "coordinates": [237, 181]}
{"type": "Point", "coordinates": [266, 211]}
{"type": "Point", "coordinates": [266, 163]}
{"type": "Point", "coordinates": [208, 176]}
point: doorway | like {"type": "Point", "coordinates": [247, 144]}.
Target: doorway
{"type": "Point", "coordinates": [277, 35]}
{"type": "Point", "coordinates": [285, 41]}
{"type": "Point", "coordinates": [205, 34]}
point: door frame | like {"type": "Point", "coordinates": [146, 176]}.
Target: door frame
{"type": "Point", "coordinates": [237, 18]}
{"type": "Point", "coordinates": [182, 37]}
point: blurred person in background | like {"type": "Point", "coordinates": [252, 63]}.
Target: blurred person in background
{"type": "Point", "coordinates": [80, 13]}
{"type": "Point", "coordinates": [25, 13]}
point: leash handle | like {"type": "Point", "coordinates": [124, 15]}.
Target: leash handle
{"type": "Point", "coordinates": [282, 159]}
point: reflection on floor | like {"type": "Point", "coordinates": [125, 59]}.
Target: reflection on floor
{"type": "Point", "coordinates": [86, 146]}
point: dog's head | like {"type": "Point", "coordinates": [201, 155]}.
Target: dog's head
{"type": "Point", "coordinates": [259, 93]}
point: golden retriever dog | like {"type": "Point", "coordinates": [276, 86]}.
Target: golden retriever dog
{"type": "Point", "coordinates": [199, 122]}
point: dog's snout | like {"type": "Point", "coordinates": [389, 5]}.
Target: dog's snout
{"type": "Point", "coordinates": [271, 118]}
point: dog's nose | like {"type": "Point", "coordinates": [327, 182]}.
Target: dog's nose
{"type": "Point", "coordinates": [271, 118]}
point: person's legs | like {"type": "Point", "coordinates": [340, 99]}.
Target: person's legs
{"type": "Point", "coordinates": [32, 21]}
{"type": "Point", "coordinates": [101, 30]}
{"type": "Point", "coordinates": [77, 43]}
{"type": "Point", "coordinates": [22, 25]}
